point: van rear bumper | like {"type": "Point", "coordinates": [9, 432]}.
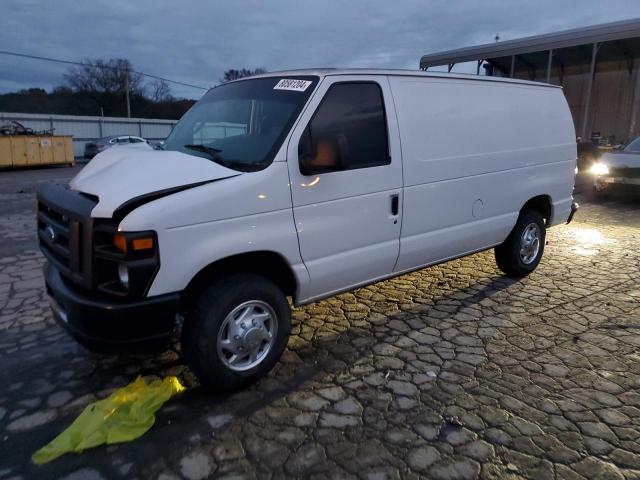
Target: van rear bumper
{"type": "Point", "coordinates": [111, 325]}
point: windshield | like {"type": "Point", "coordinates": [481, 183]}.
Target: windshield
{"type": "Point", "coordinates": [634, 146]}
{"type": "Point", "coordinates": [241, 125]}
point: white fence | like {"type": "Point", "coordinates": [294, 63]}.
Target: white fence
{"type": "Point", "coordinates": [86, 129]}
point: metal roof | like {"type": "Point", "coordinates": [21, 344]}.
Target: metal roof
{"type": "Point", "coordinates": [621, 30]}
{"type": "Point", "coordinates": [326, 72]}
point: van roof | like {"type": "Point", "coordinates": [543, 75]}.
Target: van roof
{"type": "Point", "coordinates": [327, 72]}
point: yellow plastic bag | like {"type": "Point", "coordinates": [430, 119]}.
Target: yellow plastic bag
{"type": "Point", "coordinates": [123, 416]}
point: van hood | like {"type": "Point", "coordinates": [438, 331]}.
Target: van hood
{"type": "Point", "coordinates": [121, 174]}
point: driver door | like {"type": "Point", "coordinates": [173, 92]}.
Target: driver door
{"type": "Point", "coordinates": [346, 184]}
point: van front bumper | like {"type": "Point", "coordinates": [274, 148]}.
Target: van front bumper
{"type": "Point", "coordinates": [630, 184]}
{"type": "Point", "coordinates": [111, 325]}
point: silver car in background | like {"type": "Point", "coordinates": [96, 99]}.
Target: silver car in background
{"type": "Point", "coordinates": [618, 170]}
{"type": "Point", "coordinates": [91, 149]}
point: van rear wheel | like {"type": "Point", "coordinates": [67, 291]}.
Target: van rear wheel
{"type": "Point", "coordinates": [236, 331]}
{"type": "Point", "coordinates": [521, 252]}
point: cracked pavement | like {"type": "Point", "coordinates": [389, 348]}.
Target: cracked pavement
{"type": "Point", "coordinates": [450, 372]}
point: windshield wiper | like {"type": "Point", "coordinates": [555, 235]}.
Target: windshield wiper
{"type": "Point", "coordinates": [214, 154]}
{"type": "Point", "coordinates": [203, 148]}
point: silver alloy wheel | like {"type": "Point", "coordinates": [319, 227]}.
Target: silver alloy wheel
{"type": "Point", "coordinates": [247, 335]}
{"type": "Point", "coordinates": [530, 243]}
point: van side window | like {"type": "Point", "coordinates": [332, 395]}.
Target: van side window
{"type": "Point", "coordinates": [347, 131]}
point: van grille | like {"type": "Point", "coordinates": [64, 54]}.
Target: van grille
{"type": "Point", "coordinates": [64, 232]}
{"type": "Point", "coordinates": [54, 232]}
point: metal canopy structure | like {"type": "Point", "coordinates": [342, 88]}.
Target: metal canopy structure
{"type": "Point", "coordinates": [577, 37]}
{"type": "Point", "coordinates": [555, 56]}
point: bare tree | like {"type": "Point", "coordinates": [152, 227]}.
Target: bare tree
{"type": "Point", "coordinates": [159, 91]}
{"type": "Point", "coordinates": [112, 87]}
{"type": "Point", "coordinates": [105, 76]}
{"type": "Point", "coordinates": [234, 74]}
{"type": "Point", "coordinates": [102, 80]}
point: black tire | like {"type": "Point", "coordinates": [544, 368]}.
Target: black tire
{"type": "Point", "coordinates": [508, 255]}
{"type": "Point", "coordinates": [203, 323]}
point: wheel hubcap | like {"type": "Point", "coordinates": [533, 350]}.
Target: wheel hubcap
{"type": "Point", "coordinates": [530, 243]}
{"type": "Point", "coordinates": [247, 335]}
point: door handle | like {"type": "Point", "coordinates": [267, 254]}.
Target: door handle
{"type": "Point", "coordinates": [394, 204]}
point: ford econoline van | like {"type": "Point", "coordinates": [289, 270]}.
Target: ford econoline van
{"type": "Point", "coordinates": [300, 184]}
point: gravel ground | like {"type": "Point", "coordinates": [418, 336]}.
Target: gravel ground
{"type": "Point", "coordinates": [450, 372]}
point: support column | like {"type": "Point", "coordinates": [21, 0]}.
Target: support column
{"type": "Point", "coordinates": [635, 107]}
{"type": "Point", "coordinates": [478, 67]}
{"type": "Point", "coordinates": [549, 61]}
{"type": "Point", "coordinates": [587, 103]}
{"type": "Point", "coordinates": [450, 67]}
{"type": "Point", "coordinates": [513, 66]}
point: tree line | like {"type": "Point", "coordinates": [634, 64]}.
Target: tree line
{"type": "Point", "coordinates": [98, 88]}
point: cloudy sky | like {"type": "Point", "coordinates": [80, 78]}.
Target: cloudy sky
{"type": "Point", "coordinates": [196, 41]}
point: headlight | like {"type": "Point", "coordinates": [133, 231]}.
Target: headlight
{"type": "Point", "coordinates": [125, 263]}
{"type": "Point", "coordinates": [123, 275]}
{"type": "Point", "coordinates": [599, 169]}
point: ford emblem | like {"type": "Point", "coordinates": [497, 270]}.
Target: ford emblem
{"type": "Point", "coordinates": [51, 233]}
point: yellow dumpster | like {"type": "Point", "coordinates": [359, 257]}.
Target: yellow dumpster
{"type": "Point", "coordinates": [62, 149]}
{"type": "Point", "coordinates": [35, 150]}
{"type": "Point", "coordinates": [5, 152]}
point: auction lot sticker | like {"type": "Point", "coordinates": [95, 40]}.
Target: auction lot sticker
{"type": "Point", "coordinates": [292, 84]}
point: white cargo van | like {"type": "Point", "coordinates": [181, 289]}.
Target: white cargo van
{"type": "Point", "coordinates": [301, 184]}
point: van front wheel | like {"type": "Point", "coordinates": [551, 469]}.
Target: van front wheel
{"type": "Point", "coordinates": [520, 253]}
{"type": "Point", "coordinates": [236, 331]}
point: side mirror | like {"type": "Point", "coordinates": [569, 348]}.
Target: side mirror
{"type": "Point", "coordinates": [322, 155]}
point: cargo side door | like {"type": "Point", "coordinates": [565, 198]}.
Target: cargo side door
{"type": "Point", "coordinates": [346, 184]}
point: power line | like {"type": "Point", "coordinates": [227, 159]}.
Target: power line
{"type": "Point", "coordinates": [82, 64]}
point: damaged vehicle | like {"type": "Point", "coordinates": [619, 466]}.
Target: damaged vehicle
{"type": "Point", "coordinates": [290, 187]}
{"type": "Point", "coordinates": [618, 171]}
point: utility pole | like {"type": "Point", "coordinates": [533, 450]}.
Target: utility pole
{"type": "Point", "coordinates": [126, 92]}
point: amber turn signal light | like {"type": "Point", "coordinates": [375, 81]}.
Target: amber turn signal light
{"type": "Point", "coordinates": [120, 242]}
{"type": "Point", "coordinates": [142, 244]}
{"type": "Point", "coordinates": [137, 244]}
